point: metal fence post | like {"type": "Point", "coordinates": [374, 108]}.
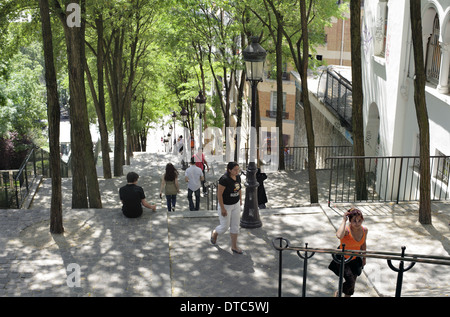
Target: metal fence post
{"type": "Point", "coordinates": [305, 267]}
{"type": "Point", "coordinates": [280, 259]}
{"type": "Point", "coordinates": [17, 188]}
{"type": "Point", "coordinates": [331, 179]}
{"type": "Point", "coordinates": [342, 261]}
{"type": "Point", "coordinates": [400, 270]}
{"type": "Point", "coordinates": [400, 179]}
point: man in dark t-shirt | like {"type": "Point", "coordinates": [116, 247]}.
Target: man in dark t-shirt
{"type": "Point", "coordinates": [132, 197]}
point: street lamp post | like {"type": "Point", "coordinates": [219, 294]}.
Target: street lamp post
{"type": "Point", "coordinates": [169, 136]}
{"type": "Point", "coordinates": [184, 115]}
{"type": "Point", "coordinates": [200, 102]}
{"type": "Point", "coordinates": [174, 117]}
{"type": "Point", "coordinates": [254, 56]}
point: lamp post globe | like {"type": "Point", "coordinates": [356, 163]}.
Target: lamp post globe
{"type": "Point", "coordinates": [254, 57]}
{"type": "Point", "coordinates": [184, 114]}
{"type": "Point", "coordinates": [200, 102]}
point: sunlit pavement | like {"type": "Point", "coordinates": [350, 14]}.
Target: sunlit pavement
{"type": "Point", "coordinates": [163, 254]}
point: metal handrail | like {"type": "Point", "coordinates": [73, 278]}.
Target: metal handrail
{"type": "Point", "coordinates": [338, 97]}
{"type": "Point", "coordinates": [212, 187]}
{"type": "Point", "coordinates": [25, 162]}
{"type": "Point", "coordinates": [278, 243]}
{"type": "Point", "coordinates": [26, 175]}
{"type": "Point", "coordinates": [419, 258]}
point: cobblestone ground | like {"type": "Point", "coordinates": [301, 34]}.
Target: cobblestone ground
{"type": "Point", "coordinates": [115, 256]}
{"type": "Point", "coordinates": [162, 254]}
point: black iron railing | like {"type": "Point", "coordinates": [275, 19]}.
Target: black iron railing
{"type": "Point", "coordinates": [211, 196]}
{"type": "Point", "coordinates": [388, 179]}
{"type": "Point", "coordinates": [15, 185]}
{"type": "Point", "coordinates": [7, 188]}
{"type": "Point", "coordinates": [338, 98]}
{"type": "Point", "coordinates": [281, 244]}
{"type": "Point", "coordinates": [296, 157]}
{"type": "Point", "coordinates": [273, 114]}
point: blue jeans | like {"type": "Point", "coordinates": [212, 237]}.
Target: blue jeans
{"type": "Point", "coordinates": [171, 201]}
{"type": "Point", "coordinates": [197, 199]}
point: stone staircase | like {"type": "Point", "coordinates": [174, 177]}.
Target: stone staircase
{"type": "Point", "coordinates": [151, 166]}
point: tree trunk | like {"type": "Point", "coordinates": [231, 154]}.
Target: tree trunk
{"type": "Point", "coordinates": [357, 95]}
{"type": "Point", "coordinates": [142, 135]}
{"type": "Point", "coordinates": [121, 91]}
{"type": "Point", "coordinates": [314, 196]}
{"type": "Point", "coordinates": [239, 104]}
{"type": "Point", "coordinates": [300, 55]}
{"type": "Point", "coordinates": [113, 72]}
{"type": "Point", "coordinates": [100, 101]}
{"type": "Point", "coordinates": [225, 108]}
{"type": "Point", "coordinates": [421, 113]}
{"type": "Point", "coordinates": [129, 135]}
{"type": "Point", "coordinates": [53, 113]}
{"type": "Point", "coordinates": [279, 119]}
{"type": "Point", "coordinates": [84, 171]}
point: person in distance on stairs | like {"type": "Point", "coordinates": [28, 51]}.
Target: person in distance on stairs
{"type": "Point", "coordinates": [169, 183]}
{"type": "Point", "coordinates": [194, 177]}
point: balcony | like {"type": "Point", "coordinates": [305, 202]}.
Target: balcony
{"type": "Point", "coordinates": [273, 115]}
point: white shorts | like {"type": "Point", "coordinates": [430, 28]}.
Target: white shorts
{"type": "Point", "coordinates": [232, 219]}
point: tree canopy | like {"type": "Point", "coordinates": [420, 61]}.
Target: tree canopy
{"type": "Point", "coordinates": [158, 53]}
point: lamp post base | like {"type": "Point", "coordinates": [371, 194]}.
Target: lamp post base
{"type": "Point", "coordinates": [250, 217]}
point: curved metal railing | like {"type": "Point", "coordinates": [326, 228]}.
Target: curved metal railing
{"type": "Point", "coordinates": [281, 244]}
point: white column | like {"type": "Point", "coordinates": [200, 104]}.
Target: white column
{"type": "Point", "coordinates": [443, 86]}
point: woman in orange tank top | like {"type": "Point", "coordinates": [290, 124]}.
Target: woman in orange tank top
{"type": "Point", "coordinates": [354, 237]}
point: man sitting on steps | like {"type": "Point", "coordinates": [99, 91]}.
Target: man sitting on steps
{"type": "Point", "coordinates": [132, 197]}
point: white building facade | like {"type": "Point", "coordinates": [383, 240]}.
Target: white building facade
{"type": "Point", "coordinates": [391, 127]}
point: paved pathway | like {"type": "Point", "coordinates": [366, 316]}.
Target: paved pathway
{"type": "Point", "coordinates": [169, 254]}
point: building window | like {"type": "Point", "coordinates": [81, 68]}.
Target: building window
{"type": "Point", "coordinates": [272, 113]}
{"type": "Point", "coordinates": [433, 55]}
{"type": "Point", "coordinates": [273, 101]}
{"type": "Point", "coordinates": [381, 28]}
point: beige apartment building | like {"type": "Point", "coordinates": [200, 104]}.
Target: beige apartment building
{"type": "Point", "coordinates": [336, 51]}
